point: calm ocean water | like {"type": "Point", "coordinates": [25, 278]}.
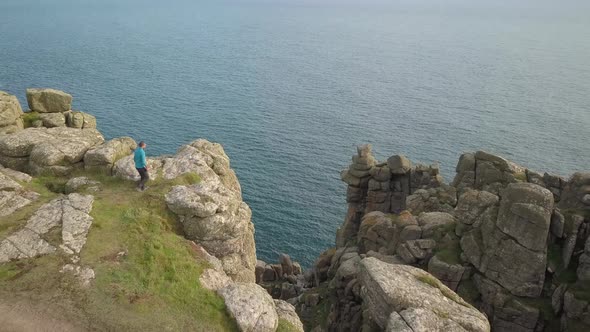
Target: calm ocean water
{"type": "Point", "coordinates": [290, 87]}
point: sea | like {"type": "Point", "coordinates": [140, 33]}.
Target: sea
{"type": "Point", "coordinates": [291, 87]}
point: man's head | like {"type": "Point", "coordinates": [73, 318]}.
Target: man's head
{"type": "Point", "coordinates": [142, 144]}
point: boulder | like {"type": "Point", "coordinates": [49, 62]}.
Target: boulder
{"type": "Point", "coordinates": [75, 184]}
{"type": "Point", "coordinates": [475, 205]}
{"type": "Point", "coordinates": [435, 223]}
{"type": "Point", "coordinates": [286, 312]}
{"type": "Point", "coordinates": [525, 214]}
{"type": "Point", "coordinates": [48, 100]}
{"type": "Point", "coordinates": [399, 165]}
{"type": "Point", "coordinates": [418, 297]}
{"type": "Point", "coordinates": [574, 195]}
{"type": "Point", "coordinates": [214, 280]}
{"type": "Point", "coordinates": [20, 144]}
{"type": "Point", "coordinates": [440, 199]}
{"type": "Point", "coordinates": [51, 120]}
{"type": "Point", "coordinates": [10, 114]}
{"type": "Point", "coordinates": [251, 306]}
{"type": "Point", "coordinates": [104, 156]}
{"type": "Point", "coordinates": [80, 120]}
{"type": "Point", "coordinates": [60, 154]}
{"type": "Point", "coordinates": [125, 168]}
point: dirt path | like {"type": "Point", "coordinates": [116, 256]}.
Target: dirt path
{"type": "Point", "coordinates": [20, 316]}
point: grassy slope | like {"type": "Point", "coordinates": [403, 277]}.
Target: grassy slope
{"type": "Point", "coordinates": [154, 287]}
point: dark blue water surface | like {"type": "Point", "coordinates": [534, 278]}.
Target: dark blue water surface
{"type": "Point", "coordinates": [290, 87]}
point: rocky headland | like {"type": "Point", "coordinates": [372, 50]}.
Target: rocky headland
{"type": "Point", "coordinates": [500, 248]}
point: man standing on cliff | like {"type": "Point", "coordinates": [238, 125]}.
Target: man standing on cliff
{"type": "Point", "coordinates": [141, 165]}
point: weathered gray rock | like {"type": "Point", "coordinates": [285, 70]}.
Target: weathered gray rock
{"type": "Point", "coordinates": [212, 211]}
{"type": "Point", "coordinates": [48, 100]}
{"type": "Point", "coordinates": [251, 306]}
{"type": "Point", "coordinates": [571, 239]}
{"type": "Point", "coordinates": [21, 143]}
{"type": "Point", "coordinates": [440, 199]}
{"type": "Point", "coordinates": [557, 298]}
{"type": "Point", "coordinates": [448, 274]}
{"type": "Point", "coordinates": [474, 206]}
{"type": "Point", "coordinates": [583, 271]}
{"type": "Point", "coordinates": [64, 151]}
{"type": "Point", "coordinates": [396, 323]}
{"type": "Point", "coordinates": [51, 120]}
{"type": "Point", "coordinates": [75, 184]}
{"type": "Point", "coordinates": [399, 165]}
{"type": "Point", "coordinates": [286, 311]}
{"type": "Point", "coordinates": [11, 201]}
{"type": "Point", "coordinates": [125, 168]}
{"type": "Point", "coordinates": [71, 212]}
{"type": "Point", "coordinates": [55, 150]}
{"type": "Point", "coordinates": [525, 214]}
{"type": "Point", "coordinates": [574, 195]}
{"type": "Point", "coordinates": [515, 316]}
{"type": "Point", "coordinates": [16, 175]}
{"type": "Point", "coordinates": [104, 156]}
{"type": "Point", "coordinates": [76, 221]}
{"type": "Point", "coordinates": [80, 120]}
{"type": "Point", "coordinates": [24, 244]}
{"type": "Point", "coordinates": [214, 280]}
{"type": "Point", "coordinates": [10, 114]}
{"type": "Point", "coordinates": [557, 224]}
{"type": "Point", "coordinates": [433, 222]}
{"type": "Point", "coordinates": [12, 195]}
{"type": "Point", "coordinates": [415, 294]}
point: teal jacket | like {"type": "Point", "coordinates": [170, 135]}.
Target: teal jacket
{"type": "Point", "coordinates": [139, 158]}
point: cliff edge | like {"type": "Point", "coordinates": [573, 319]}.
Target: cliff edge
{"type": "Point", "coordinates": [81, 248]}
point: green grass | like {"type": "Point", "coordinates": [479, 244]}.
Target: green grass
{"type": "Point", "coordinates": [285, 326]}
{"type": "Point", "coordinates": [29, 118]}
{"type": "Point", "coordinates": [154, 287]}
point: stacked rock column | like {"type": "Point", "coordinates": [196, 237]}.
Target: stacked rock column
{"type": "Point", "coordinates": [357, 177]}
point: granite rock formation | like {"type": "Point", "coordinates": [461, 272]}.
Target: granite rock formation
{"type": "Point", "coordinates": [510, 241]}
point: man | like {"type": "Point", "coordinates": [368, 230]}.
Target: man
{"type": "Point", "coordinates": [141, 165]}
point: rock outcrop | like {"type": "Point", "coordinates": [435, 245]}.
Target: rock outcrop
{"type": "Point", "coordinates": [405, 297]}
{"type": "Point", "coordinates": [71, 213]}
{"type": "Point", "coordinates": [507, 239]}
{"type": "Point", "coordinates": [49, 100]}
{"type": "Point", "coordinates": [103, 157]}
{"type": "Point", "coordinates": [212, 211]}
{"type": "Point", "coordinates": [251, 306]}
{"type": "Point", "coordinates": [10, 114]}
{"type": "Point", "coordinates": [40, 150]}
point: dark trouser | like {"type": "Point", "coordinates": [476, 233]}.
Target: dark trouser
{"type": "Point", "coordinates": [143, 173]}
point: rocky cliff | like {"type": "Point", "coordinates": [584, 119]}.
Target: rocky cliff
{"type": "Point", "coordinates": [500, 248]}
{"type": "Point", "coordinates": [76, 236]}
{"type": "Point", "coordinates": [501, 244]}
